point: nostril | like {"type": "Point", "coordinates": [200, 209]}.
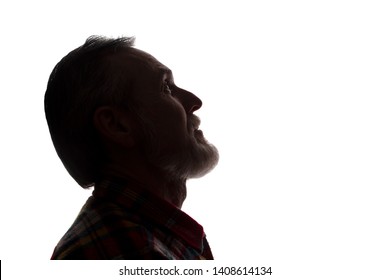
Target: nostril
{"type": "Point", "coordinates": [196, 106]}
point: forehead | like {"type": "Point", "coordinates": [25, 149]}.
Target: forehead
{"type": "Point", "coordinates": [140, 61]}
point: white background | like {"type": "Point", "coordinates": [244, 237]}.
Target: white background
{"type": "Point", "coordinates": [296, 98]}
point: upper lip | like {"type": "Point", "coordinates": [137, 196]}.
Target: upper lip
{"type": "Point", "coordinates": [194, 122]}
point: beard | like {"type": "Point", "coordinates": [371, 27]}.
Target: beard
{"type": "Point", "coordinates": [193, 160]}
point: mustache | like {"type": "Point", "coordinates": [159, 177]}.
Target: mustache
{"type": "Point", "coordinates": [193, 122]}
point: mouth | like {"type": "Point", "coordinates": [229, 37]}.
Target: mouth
{"type": "Point", "coordinates": [198, 132]}
{"type": "Point", "coordinates": [198, 135]}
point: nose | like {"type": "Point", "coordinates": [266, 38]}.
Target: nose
{"type": "Point", "coordinates": [190, 101]}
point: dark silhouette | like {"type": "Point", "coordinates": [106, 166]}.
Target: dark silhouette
{"type": "Point", "coordinates": [120, 124]}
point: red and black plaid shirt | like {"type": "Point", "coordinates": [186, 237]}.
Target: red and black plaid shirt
{"type": "Point", "coordinates": [125, 222]}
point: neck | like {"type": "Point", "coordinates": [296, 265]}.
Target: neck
{"type": "Point", "coordinates": [171, 190]}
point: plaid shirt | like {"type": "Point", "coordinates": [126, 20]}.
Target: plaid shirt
{"type": "Point", "coordinates": [122, 222]}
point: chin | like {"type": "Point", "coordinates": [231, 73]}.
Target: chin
{"type": "Point", "coordinates": [204, 159]}
{"type": "Point", "coordinates": [195, 161]}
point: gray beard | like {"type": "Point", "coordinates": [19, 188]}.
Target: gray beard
{"type": "Point", "coordinates": [194, 162]}
{"type": "Point", "coordinates": [197, 159]}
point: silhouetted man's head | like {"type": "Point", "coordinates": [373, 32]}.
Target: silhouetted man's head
{"type": "Point", "coordinates": [108, 104]}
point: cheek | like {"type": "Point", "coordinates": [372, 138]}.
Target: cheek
{"type": "Point", "coordinates": [177, 115]}
{"type": "Point", "coordinates": [169, 119]}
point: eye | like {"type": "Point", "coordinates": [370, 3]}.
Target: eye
{"type": "Point", "coordinates": [166, 88]}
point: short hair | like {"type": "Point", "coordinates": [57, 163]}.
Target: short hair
{"type": "Point", "coordinates": [82, 81]}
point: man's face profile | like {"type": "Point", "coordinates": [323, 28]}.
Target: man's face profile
{"type": "Point", "coordinates": [174, 141]}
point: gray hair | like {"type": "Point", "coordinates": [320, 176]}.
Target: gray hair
{"type": "Point", "coordinates": [81, 82]}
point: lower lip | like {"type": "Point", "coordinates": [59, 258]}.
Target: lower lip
{"type": "Point", "coordinates": [198, 132]}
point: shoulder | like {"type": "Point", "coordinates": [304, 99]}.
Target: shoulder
{"type": "Point", "coordinates": [108, 232]}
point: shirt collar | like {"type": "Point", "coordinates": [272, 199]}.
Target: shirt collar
{"type": "Point", "coordinates": [152, 208]}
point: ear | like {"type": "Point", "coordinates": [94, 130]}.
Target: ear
{"type": "Point", "coordinates": [114, 126]}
